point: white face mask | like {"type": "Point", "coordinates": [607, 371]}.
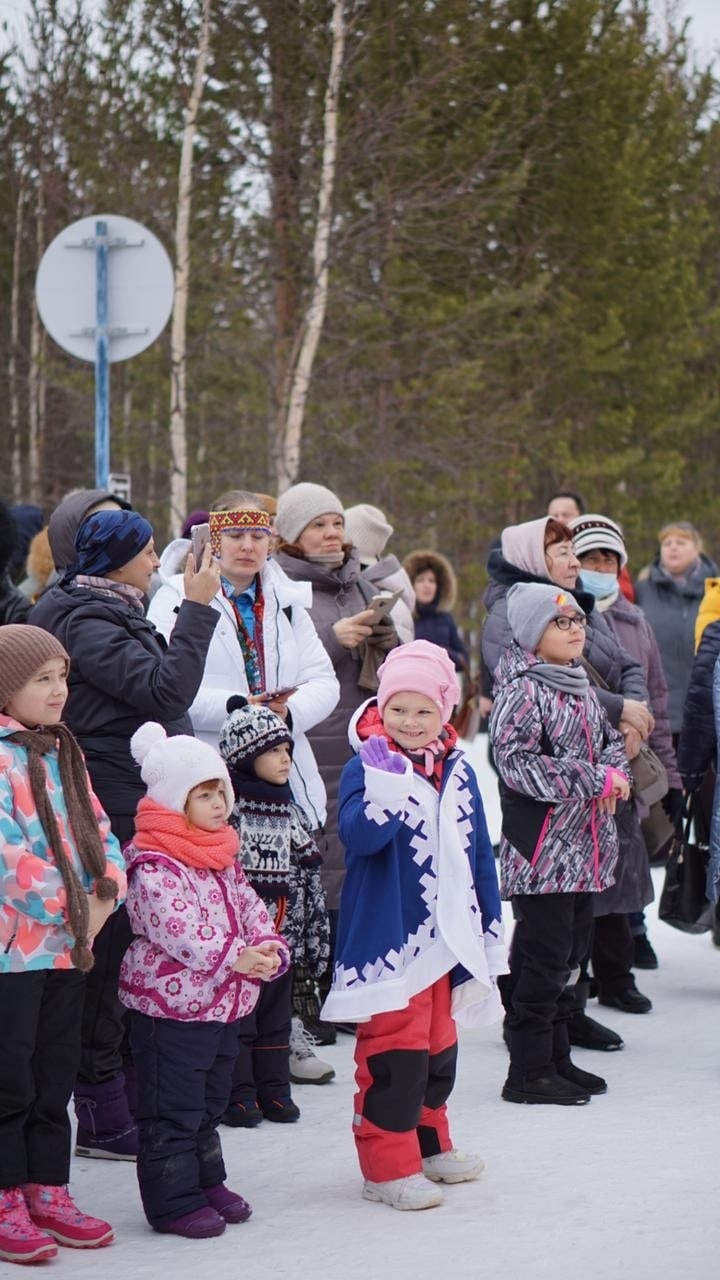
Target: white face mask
{"type": "Point", "coordinates": [601, 585]}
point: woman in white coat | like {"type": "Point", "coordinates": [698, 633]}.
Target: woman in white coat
{"type": "Point", "coordinates": [265, 641]}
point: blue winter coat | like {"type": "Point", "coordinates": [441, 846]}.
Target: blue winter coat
{"type": "Point", "coordinates": [420, 897]}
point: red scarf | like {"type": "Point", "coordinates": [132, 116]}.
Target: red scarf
{"type": "Point", "coordinates": [428, 762]}
{"type": "Point", "coordinates": [164, 830]}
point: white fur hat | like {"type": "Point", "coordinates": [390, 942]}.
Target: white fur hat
{"type": "Point", "coordinates": [171, 767]}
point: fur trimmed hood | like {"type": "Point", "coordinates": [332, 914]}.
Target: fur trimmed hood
{"type": "Point", "coordinates": [418, 561]}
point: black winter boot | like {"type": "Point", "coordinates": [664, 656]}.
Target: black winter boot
{"type": "Point", "coordinates": [548, 1089]}
{"type": "Point", "coordinates": [584, 1032]}
{"type": "Point", "coordinates": [583, 1079]}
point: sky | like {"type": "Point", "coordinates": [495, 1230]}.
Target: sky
{"type": "Point", "coordinates": [704, 14]}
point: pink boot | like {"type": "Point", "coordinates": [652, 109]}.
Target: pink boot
{"type": "Point", "coordinates": [52, 1210]}
{"type": "Point", "coordinates": [20, 1239]}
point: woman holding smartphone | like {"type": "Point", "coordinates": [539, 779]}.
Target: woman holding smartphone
{"type": "Point", "coordinates": [265, 642]}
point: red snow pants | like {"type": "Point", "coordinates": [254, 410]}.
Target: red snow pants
{"type": "Point", "coordinates": [405, 1074]}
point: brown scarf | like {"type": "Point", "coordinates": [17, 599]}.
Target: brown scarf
{"type": "Point", "coordinates": [74, 780]}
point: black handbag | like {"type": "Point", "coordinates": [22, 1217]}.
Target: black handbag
{"type": "Point", "coordinates": [683, 903]}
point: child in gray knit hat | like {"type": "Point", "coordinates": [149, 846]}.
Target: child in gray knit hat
{"type": "Point", "coordinates": [563, 770]}
{"type": "Point", "coordinates": [282, 863]}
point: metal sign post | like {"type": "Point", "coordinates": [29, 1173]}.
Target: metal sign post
{"type": "Point", "coordinates": [102, 372]}
{"type": "Point", "coordinates": [90, 303]}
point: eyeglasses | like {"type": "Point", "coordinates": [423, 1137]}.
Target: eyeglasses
{"type": "Point", "coordinates": [559, 551]}
{"type": "Point", "coordinates": [566, 621]}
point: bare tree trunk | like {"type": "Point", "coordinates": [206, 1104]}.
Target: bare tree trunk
{"type": "Point", "coordinates": [36, 389]}
{"type": "Point", "coordinates": [290, 439]}
{"type": "Point", "coordinates": [13, 386]}
{"type": "Point", "coordinates": [178, 339]}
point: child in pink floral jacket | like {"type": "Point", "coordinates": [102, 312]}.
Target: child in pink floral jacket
{"type": "Point", "coordinates": [204, 943]}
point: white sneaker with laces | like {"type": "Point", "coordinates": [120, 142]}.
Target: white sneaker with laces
{"type": "Point", "coordinates": [413, 1192]}
{"type": "Point", "coordinates": [305, 1066]}
{"type": "Point", "coordinates": [452, 1166]}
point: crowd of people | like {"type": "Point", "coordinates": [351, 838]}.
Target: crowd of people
{"type": "Point", "coordinates": [236, 820]}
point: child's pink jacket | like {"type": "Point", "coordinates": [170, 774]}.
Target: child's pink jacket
{"type": "Point", "coordinates": [192, 925]}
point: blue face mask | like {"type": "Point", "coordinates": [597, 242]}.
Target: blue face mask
{"type": "Point", "coordinates": [601, 585]}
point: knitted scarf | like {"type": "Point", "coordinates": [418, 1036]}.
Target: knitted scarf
{"type": "Point", "coordinates": [428, 761]}
{"type": "Point", "coordinates": [252, 647]}
{"type": "Point", "coordinates": [165, 831]}
{"type": "Point", "coordinates": [89, 845]}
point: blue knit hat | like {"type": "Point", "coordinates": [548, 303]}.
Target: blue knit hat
{"type": "Point", "coordinates": [107, 540]}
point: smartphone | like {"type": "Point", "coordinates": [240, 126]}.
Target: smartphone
{"type": "Point", "coordinates": [199, 538]}
{"type": "Point", "coordinates": [382, 604]}
{"type": "Point", "coordinates": [272, 695]}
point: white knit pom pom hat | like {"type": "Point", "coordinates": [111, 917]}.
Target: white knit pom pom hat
{"type": "Point", "coordinates": [171, 767]}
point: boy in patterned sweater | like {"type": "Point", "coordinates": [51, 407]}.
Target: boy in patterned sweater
{"type": "Point", "coordinates": [282, 863]}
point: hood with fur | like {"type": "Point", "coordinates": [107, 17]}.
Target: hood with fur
{"type": "Point", "coordinates": [418, 561]}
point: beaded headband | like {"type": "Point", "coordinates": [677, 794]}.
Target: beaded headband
{"type": "Point", "coordinates": [246, 518]}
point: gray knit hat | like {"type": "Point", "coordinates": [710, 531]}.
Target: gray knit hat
{"type": "Point", "coordinates": [23, 651]}
{"type": "Point", "coordinates": [368, 530]}
{"type": "Point", "coordinates": [301, 504]}
{"type": "Point", "coordinates": [249, 731]}
{"type": "Point", "coordinates": [597, 533]}
{"type": "Point", "coordinates": [531, 607]}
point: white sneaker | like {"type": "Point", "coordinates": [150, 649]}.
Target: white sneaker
{"type": "Point", "coordinates": [413, 1192]}
{"type": "Point", "coordinates": [452, 1166]}
{"type": "Point", "coordinates": [305, 1066]}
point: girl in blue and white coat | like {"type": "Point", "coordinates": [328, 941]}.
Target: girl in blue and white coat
{"type": "Point", "coordinates": [420, 941]}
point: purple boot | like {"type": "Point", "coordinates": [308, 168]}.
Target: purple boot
{"type": "Point", "coordinates": [227, 1203]}
{"type": "Point", "coordinates": [106, 1129]}
{"type": "Point", "coordinates": [198, 1225]}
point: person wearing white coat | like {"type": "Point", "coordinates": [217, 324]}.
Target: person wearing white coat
{"type": "Point", "coordinates": [290, 652]}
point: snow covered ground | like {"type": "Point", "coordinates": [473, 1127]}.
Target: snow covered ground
{"type": "Point", "coordinates": [624, 1187]}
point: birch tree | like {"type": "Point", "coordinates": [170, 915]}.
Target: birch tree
{"type": "Point", "coordinates": [178, 339]}
{"type": "Point", "coordinates": [289, 434]}
{"type": "Point", "coordinates": [13, 383]}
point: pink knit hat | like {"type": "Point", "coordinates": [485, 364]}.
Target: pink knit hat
{"type": "Point", "coordinates": [419, 667]}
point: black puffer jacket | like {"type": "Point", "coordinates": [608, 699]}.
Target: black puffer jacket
{"type": "Point", "coordinates": [621, 672]}
{"type": "Point", "coordinates": [697, 745]}
{"type": "Point", "coordinates": [123, 673]}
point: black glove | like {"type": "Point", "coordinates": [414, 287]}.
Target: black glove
{"type": "Point", "coordinates": [672, 803]}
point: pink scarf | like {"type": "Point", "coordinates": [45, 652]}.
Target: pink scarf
{"type": "Point", "coordinates": [164, 830]}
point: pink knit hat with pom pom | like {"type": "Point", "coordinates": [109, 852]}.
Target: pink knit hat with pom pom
{"type": "Point", "coordinates": [419, 667]}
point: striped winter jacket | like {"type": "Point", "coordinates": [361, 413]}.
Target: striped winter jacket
{"type": "Point", "coordinates": [553, 751]}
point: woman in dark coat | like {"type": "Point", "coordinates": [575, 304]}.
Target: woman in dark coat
{"type": "Point", "coordinates": [542, 551]}
{"type": "Point", "coordinates": [669, 592]}
{"type": "Point", "coordinates": [435, 587]}
{"type": "Point", "coordinates": [122, 673]}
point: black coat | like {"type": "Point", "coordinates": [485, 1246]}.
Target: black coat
{"type": "Point", "coordinates": [440, 628]}
{"type": "Point", "coordinates": [14, 606]}
{"type": "Point", "coordinates": [122, 673]}
{"type": "Point", "coordinates": [696, 748]}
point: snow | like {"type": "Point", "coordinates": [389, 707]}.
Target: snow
{"type": "Point", "coordinates": [624, 1186]}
